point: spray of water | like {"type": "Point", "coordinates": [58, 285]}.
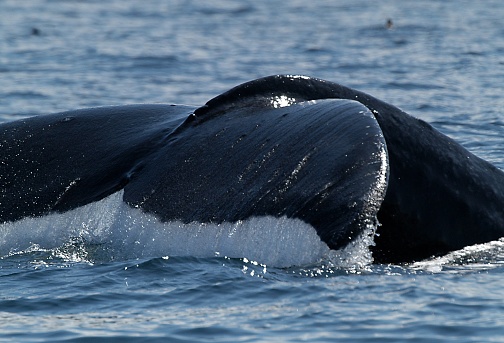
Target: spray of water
{"type": "Point", "coordinates": [111, 230]}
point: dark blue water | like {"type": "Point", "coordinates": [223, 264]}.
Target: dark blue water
{"type": "Point", "coordinates": [442, 61]}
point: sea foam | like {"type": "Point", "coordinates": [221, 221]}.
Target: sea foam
{"type": "Point", "coordinates": [111, 230]}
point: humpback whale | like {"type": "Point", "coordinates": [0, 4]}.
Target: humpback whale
{"type": "Point", "coordinates": [280, 146]}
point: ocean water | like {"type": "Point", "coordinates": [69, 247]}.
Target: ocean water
{"type": "Point", "coordinates": [442, 61]}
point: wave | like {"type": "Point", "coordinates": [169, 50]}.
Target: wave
{"type": "Point", "coordinates": [472, 258]}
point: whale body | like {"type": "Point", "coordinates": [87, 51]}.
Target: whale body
{"type": "Point", "coordinates": [282, 146]}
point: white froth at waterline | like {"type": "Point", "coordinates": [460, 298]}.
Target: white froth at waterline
{"type": "Point", "coordinates": [124, 233]}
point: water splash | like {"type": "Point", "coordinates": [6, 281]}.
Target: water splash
{"type": "Point", "coordinates": [110, 230]}
{"type": "Point", "coordinates": [471, 258]}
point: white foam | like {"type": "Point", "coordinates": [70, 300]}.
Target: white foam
{"type": "Point", "coordinates": [475, 257]}
{"type": "Point", "coordinates": [118, 232]}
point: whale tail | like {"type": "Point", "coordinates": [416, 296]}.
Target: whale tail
{"type": "Point", "coordinates": [280, 146]}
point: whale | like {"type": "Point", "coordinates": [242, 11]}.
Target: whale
{"type": "Point", "coordinates": [282, 146]}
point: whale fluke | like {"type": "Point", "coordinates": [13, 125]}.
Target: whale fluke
{"type": "Point", "coordinates": [280, 146]}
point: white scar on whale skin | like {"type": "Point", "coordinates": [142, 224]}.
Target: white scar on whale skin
{"type": "Point", "coordinates": [282, 101]}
